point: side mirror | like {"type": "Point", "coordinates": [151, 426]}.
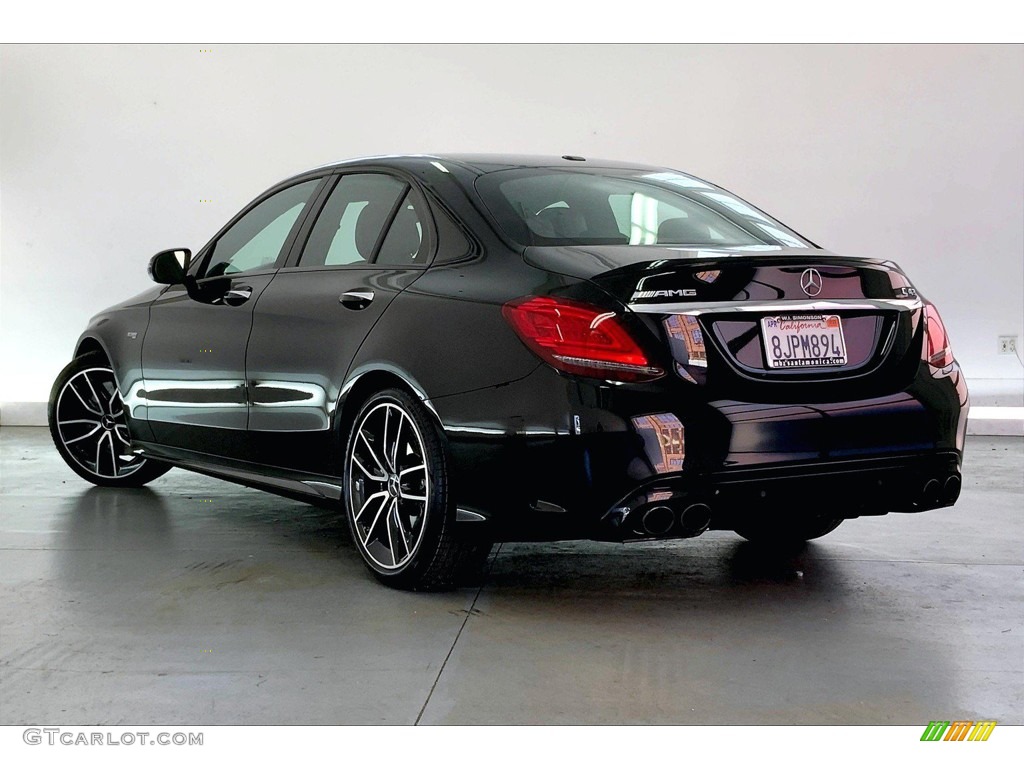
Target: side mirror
{"type": "Point", "coordinates": [169, 267]}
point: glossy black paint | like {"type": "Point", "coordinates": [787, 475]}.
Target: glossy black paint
{"type": "Point", "coordinates": [258, 378]}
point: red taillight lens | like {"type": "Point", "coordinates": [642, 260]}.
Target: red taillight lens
{"type": "Point", "coordinates": [936, 350]}
{"type": "Point", "coordinates": [579, 338]}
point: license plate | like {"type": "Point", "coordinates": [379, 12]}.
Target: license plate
{"type": "Point", "coordinates": [803, 341]}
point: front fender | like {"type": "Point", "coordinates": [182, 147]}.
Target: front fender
{"type": "Point", "coordinates": [119, 333]}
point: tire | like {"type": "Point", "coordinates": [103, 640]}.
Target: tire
{"type": "Point", "coordinates": [399, 509]}
{"type": "Point", "coordinates": [787, 532]}
{"type": "Point", "coordinates": [89, 426]}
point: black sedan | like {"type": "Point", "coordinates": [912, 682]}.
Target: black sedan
{"type": "Point", "coordinates": [460, 350]}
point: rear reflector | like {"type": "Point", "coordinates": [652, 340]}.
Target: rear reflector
{"type": "Point", "coordinates": [579, 338]}
{"type": "Point", "coordinates": [936, 351]}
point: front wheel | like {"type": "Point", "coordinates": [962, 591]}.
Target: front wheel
{"type": "Point", "coordinates": [89, 427]}
{"type": "Point", "coordinates": [396, 491]}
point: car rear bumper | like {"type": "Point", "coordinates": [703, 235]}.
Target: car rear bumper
{"type": "Point", "coordinates": [841, 489]}
{"type": "Point", "coordinates": [586, 461]}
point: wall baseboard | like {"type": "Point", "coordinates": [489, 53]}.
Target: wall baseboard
{"type": "Point", "coordinates": [23, 414]}
{"type": "Point", "coordinates": [996, 392]}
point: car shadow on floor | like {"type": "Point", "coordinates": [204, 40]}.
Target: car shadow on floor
{"type": "Point", "coordinates": [131, 519]}
{"type": "Point", "coordinates": [668, 565]}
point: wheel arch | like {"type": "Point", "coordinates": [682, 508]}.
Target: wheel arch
{"type": "Point", "coordinates": [89, 344]}
{"type": "Point", "coordinates": [368, 380]}
{"type": "Point", "coordinates": [123, 355]}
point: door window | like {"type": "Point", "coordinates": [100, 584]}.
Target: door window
{"type": "Point", "coordinates": [403, 244]}
{"type": "Point", "coordinates": [255, 241]}
{"type": "Point", "coordinates": [350, 224]}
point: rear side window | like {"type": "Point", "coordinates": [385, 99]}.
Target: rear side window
{"type": "Point", "coordinates": [351, 223]}
{"type": "Point", "coordinates": [453, 245]}
{"type": "Point", "coordinates": [404, 243]}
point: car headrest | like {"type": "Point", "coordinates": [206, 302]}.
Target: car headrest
{"type": "Point", "coordinates": [562, 222]}
{"type": "Point", "coordinates": [368, 226]}
{"type": "Point", "coordinates": [403, 241]}
{"type": "Point", "coordinates": [682, 231]}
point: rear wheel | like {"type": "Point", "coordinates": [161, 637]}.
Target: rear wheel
{"type": "Point", "coordinates": [89, 427]}
{"type": "Point", "coordinates": [787, 532]}
{"type": "Point", "coordinates": [396, 492]}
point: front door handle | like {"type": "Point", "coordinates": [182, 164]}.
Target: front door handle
{"type": "Point", "coordinates": [357, 299]}
{"type": "Point", "coordinates": [238, 295]}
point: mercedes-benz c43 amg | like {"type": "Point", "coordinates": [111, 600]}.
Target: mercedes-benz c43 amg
{"type": "Point", "coordinates": [461, 350]}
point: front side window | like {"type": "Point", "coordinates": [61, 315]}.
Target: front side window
{"type": "Point", "coordinates": [255, 241]}
{"type": "Point", "coordinates": [545, 206]}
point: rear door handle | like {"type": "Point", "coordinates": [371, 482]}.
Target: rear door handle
{"type": "Point", "coordinates": [238, 295]}
{"type": "Point", "coordinates": [357, 299]}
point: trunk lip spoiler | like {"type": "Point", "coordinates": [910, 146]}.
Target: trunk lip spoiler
{"type": "Point", "coordinates": [697, 308]}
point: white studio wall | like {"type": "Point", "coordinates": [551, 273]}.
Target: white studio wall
{"type": "Point", "coordinates": [111, 153]}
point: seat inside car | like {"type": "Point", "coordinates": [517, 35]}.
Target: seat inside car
{"type": "Point", "coordinates": [402, 243]}
{"type": "Point", "coordinates": [368, 226]}
{"type": "Point", "coordinates": [682, 231]}
{"type": "Point", "coordinates": [561, 222]}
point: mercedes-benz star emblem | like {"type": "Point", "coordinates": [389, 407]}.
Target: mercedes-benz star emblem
{"type": "Point", "coordinates": [810, 281]}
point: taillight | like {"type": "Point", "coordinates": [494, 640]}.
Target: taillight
{"type": "Point", "coordinates": [936, 351]}
{"type": "Point", "coordinates": [579, 338]}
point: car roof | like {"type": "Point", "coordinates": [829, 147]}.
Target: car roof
{"type": "Point", "coordinates": [488, 162]}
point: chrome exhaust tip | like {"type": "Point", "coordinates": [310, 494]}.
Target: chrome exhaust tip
{"type": "Point", "coordinates": [695, 519]}
{"type": "Point", "coordinates": [657, 521]}
{"type": "Point", "coordinates": [931, 494]}
{"type": "Point", "coordinates": [951, 489]}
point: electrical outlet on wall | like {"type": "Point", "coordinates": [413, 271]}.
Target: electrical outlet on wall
{"type": "Point", "coordinates": [1007, 345]}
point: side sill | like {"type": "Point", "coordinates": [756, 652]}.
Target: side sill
{"type": "Point", "coordinates": [311, 488]}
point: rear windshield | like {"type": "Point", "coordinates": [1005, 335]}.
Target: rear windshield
{"type": "Point", "coordinates": [547, 206]}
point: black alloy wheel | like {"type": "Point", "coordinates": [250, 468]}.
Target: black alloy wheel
{"type": "Point", "coordinates": [396, 492]}
{"type": "Point", "coordinates": [89, 427]}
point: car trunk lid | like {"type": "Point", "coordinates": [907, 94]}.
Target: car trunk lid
{"type": "Point", "coordinates": [771, 315]}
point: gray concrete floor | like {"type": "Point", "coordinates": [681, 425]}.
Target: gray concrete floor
{"type": "Point", "coordinates": [199, 602]}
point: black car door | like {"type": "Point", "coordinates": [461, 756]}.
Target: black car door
{"type": "Point", "coordinates": [370, 240]}
{"type": "Point", "coordinates": [193, 355]}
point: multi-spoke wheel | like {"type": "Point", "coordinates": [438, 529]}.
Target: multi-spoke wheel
{"type": "Point", "coordinates": [89, 427]}
{"type": "Point", "coordinates": [397, 496]}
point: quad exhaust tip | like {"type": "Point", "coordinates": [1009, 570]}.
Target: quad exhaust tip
{"type": "Point", "coordinates": [695, 519]}
{"type": "Point", "coordinates": [951, 489]}
{"type": "Point", "coordinates": [658, 520]}
{"type": "Point", "coordinates": [665, 520]}
{"type": "Point", "coordinates": [939, 493]}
